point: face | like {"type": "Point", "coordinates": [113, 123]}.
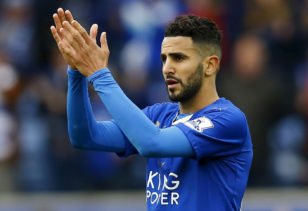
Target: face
{"type": "Point", "coordinates": [182, 68]}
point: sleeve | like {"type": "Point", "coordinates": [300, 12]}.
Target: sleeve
{"type": "Point", "coordinates": [220, 135]}
{"type": "Point", "coordinates": [142, 133]}
{"type": "Point", "coordinates": [84, 131]}
{"type": "Point", "coordinates": [129, 148]}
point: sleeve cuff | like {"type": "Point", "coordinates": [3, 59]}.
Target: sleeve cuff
{"type": "Point", "coordinates": [98, 73]}
{"type": "Point", "coordinates": [73, 73]}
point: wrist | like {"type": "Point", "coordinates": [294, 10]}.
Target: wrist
{"type": "Point", "coordinates": [96, 74]}
{"type": "Point", "coordinates": [72, 67]}
{"type": "Point", "coordinates": [92, 71]}
{"type": "Point", "coordinates": [73, 73]}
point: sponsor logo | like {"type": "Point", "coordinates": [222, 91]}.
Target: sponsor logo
{"type": "Point", "coordinates": [161, 188]}
{"type": "Point", "coordinates": [200, 124]}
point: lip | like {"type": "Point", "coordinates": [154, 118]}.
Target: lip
{"type": "Point", "coordinates": [172, 83]}
{"type": "Point", "coordinates": [172, 86]}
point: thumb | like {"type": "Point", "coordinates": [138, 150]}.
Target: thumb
{"type": "Point", "coordinates": [103, 40]}
{"type": "Point", "coordinates": [93, 31]}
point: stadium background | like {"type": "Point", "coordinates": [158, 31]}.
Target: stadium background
{"type": "Point", "coordinates": [264, 72]}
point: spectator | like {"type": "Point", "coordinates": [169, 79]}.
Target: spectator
{"type": "Point", "coordinates": [250, 86]}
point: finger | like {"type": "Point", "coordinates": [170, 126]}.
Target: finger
{"type": "Point", "coordinates": [61, 15]}
{"type": "Point", "coordinates": [70, 37]}
{"type": "Point", "coordinates": [93, 31]}
{"type": "Point", "coordinates": [57, 21]}
{"type": "Point", "coordinates": [74, 36]}
{"type": "Point", "coordinates": [82, 31]}
{"type": "Point", "coordinates": [69, 16]}
{"type": "Point", "coordinates": [103, 40]}
{"type": "Point", "coordinates": [55, 34]}
{"type": "Point", "coordinates": [65, 49]}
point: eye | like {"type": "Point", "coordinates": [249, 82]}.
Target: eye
{"type": "Point", "coordinates": [178, 58]}
{"type": "Point", "coordinates": [163, 58]}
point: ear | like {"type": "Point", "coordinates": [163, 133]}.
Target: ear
{"type": "Point", "coordinates": [210, 65]}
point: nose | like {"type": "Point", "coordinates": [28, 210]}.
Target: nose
{"type": "Point", "coordinates": [168, 68]}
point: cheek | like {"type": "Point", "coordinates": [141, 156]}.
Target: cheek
{"type": "Point", "coordinates": [186, 71]}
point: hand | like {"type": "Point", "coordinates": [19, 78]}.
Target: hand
{"type": "Point", "coordinates": [81, 49]}
{"type": "Point", "coordinates": [59, 18]}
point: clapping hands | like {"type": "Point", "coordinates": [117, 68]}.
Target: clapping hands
{"type": "Point", "coordinates": [78, 48]}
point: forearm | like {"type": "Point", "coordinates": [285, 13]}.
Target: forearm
{"type": "Point", "coordinates": [84, 131]}
{"type": "Point", "coordinates": [149, 140]}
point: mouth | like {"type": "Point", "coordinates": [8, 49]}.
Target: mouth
{"type": "Point", "coordinates": [172, 83]}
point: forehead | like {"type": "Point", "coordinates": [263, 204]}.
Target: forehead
{"type": "Point", "coordinates": [177, 44]}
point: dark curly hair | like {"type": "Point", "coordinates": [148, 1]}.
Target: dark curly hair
{"type": "Point", "coordinates": [200, 29]}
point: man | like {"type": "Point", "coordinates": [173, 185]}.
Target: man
{"type": "Point", "coordinates": [250, 73]}
{"type": "Point", "coordinates": [199, 150]}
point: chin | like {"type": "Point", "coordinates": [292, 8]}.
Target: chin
{"type": "Point", "coordinates": [174, 97]}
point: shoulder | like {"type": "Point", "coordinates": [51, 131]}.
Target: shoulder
{"type": "Point", "coordinates": [158, 109]}
{"type": "Point", "coordinates": [231, 120]}
{"type": "Point", "coordinates": [222, 116]}
{"type": "Point", "coordinates": [221, 108]}
{"type": "Point", "coordinates": [219, 129]}
{"type": "Point", "coordinates": [227, 112]}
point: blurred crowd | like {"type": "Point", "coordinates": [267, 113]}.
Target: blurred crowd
{"type": "Point", "coordinates": [264, 72]}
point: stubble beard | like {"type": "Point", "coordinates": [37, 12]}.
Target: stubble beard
{"type": "Point", "coordinates": [190, 89]}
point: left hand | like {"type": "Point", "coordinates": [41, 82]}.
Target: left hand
{"type": "Point", "coordinates": [82, 49]}
{"type": "Point", "coordinates": [59, 18]}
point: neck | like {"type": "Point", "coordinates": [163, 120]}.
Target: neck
{"type": "Point", "coordinates": [206, 96]}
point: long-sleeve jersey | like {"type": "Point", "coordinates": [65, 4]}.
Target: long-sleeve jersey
{"type": "Point", "coordinates": [198, 162]}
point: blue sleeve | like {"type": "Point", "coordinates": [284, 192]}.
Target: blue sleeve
{"type": "Point", "coordinates": [149, 140]}
{"type": "Point", "coordinates": [220, 134]}
{"type": "Point", "coordinates": [84, 131]}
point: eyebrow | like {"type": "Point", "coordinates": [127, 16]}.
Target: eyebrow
{"type": "Point", "coordinates": [174, 54]}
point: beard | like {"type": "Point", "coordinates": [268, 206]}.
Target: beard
{"type": "Point", "coordinates": [189, 89]}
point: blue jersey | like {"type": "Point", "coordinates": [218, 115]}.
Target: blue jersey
{"type": "Point", "coordinates": [216, 178]}
{"type": "Point", "coordinates": [215, 175]}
